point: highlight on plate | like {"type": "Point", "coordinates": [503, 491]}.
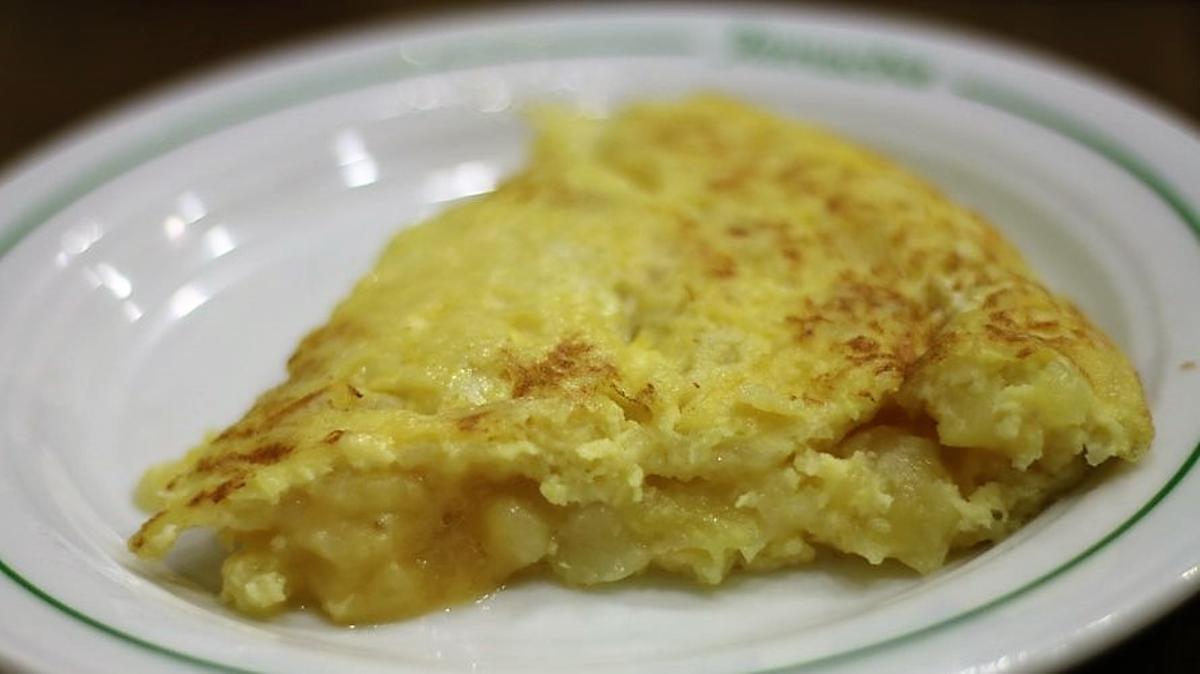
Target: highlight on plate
{"type": "Point", "coordinates": [693, 337]}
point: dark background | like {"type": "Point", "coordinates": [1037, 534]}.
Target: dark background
{"type": "Point", "coordinates": [61, 62]}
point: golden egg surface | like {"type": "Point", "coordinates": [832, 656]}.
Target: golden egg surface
{"type": "Point", "coordinates": [692, 336]}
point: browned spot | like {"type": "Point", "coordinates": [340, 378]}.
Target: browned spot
{"type": "Point", "coordinates": [804, 326]}
{"type": "Point", "coordinates": [863, 344]}
{"type": "Point", "coordinates": [1001, 334]}
{"type": "Point", "coordinates": [262, 455]}
{"type": "Point", "coordinates": [1187, 365]}
{"type": "Point", "coordinates": [723, 268]}
{"type": "Point", "coordinates": [139, 539]}
{"type": "Point", "coordinates": [220, 492]}
{"type": "Point", "coordinates": [738, 232]}
{"type": "Point", "coordinates": [992, 299]}
{"type": "Point", "coordinates": [267, 454]}
{"type": "Point", "coordinates": [209, 463]}
{"type": "Point", "coordinates": [293, 406]}
{"type": "Point", "coordinates": [246, 427]}
{"type": "Point", "coordinates": [226, 488]}
{"type": "Point", "coordinates": [905, 351]}
{"type": "Point", "coordinates": [1025, 352]}
{"type": "Point", "coordinates": [952, 263]}
{"type": "Point", "coordinates": [785, 242]}
{"type": "Point", "coordinates": [469, 422]}
{"type": "Point", "coordinates": [333, 436]}
{"type": "Point", "coordinates": [1002, 318]}
{"type": "Point", "coordinates": [354, 391]}
{"type": "Point", "coordinates": [868, 357]}
{"type": "Point", "coordinates": [826, 378]}
{"type": "Point", "coordinates": [695, 384]}
{"type": "Point", "coordinates": [570, 359]}
{"type": "Point", "coordinates": [719, 265]}
{"type": "Point", "coordinates": [880, 297]}
{"type": "Point", "coordinates": [1043, 325]}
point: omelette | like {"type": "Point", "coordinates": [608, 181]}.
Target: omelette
{"type": "Point", "coordinates": [691, 336]}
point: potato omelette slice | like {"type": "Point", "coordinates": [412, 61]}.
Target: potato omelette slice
{"type": "Point", "coordinates": [692, 336]}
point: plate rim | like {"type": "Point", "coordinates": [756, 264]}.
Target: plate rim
{"type": "Point", "coordinates": [312, 54]}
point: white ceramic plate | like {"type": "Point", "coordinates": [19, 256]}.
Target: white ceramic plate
{"type": "Point", "coordinates": [158, 267]}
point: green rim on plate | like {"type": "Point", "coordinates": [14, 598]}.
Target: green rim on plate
{"type": "Point", "coordinates": [745, 41]}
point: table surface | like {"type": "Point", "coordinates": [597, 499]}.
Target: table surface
{"type": "Point", "coordinates": [62, 62]}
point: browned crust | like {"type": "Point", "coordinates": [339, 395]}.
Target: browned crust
{"type": "Point", "coordinates": [571, 360]}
